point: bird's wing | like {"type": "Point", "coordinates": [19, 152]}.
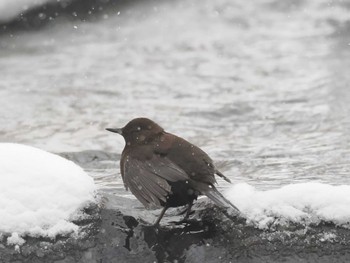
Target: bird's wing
{"type": "Point", "coordinates": [122, 174]}
{"type": "Point", "coordinates": [148, 179]}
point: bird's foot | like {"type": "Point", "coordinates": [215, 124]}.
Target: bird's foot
{"type": "Point", "coordinates": [185, 211]}
{"type": "Point", "coordinates": [185, 221]}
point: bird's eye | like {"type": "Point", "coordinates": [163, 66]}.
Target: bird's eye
{"type": "Point", "coordinates": [139, 128]}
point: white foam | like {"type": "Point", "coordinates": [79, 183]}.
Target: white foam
{"type": "Point", "coordinates": [39, 192]}
{"type": "Point", "coordinates": [300, 203]}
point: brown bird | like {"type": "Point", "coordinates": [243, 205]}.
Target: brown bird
{"type": "Point", "coordinates": [164, 170]}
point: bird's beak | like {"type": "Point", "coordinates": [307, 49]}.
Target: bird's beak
{"type": "Point", "coordinates": [116, 130]}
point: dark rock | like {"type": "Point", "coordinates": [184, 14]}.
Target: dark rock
{"type": "Point", "coordinates": [210, 236]}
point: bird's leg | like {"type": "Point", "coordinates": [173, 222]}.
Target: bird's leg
{"type": "Point", "coordinates": [160, 216]}
{"type": "Point", "coordinates": [188, 210]}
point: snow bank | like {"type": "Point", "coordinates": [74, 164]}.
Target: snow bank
{"type": "Point", "coordinates": [39, 192]}
{"type": "Point", "coordinates": [301, 203]}
{"type": "Point", "coordinates": [9, 9]}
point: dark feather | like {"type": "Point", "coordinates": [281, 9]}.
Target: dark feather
{"type": "Point", "coordinates": [222, 176]}
{"type": "Point", "coordinates": [148, 180]}
{"type": "Point", "coordinates": [166, 169]}
{"type": "Point", "coordinates": [213, 194]}
{"type": "Point", "coordinates": [219, 199]}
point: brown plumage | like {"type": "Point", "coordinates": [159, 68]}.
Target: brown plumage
{"type": "Point", "coordinates": [164, 170]}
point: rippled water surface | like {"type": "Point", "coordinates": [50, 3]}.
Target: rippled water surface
{"type": "Point", "coordinates": [262, 86]}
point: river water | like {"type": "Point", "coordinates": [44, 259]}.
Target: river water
{"type": "Point", "coordinates": [262, 86]}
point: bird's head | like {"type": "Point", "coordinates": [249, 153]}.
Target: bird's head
{"type": "Point", "coordinates": [138, 131]}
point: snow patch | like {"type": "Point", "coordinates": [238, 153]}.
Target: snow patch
{"type": "Point", "coordinates": [15, 239]}
{"type": "Point", "coordinates": [300, 203]}
{"type": "Point", "coordinates": [40, 192]}
{"type": "Point", "coordinates": [328, 237]}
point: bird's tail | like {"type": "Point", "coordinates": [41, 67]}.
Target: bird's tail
{"type": "Point", "coordinates": [214, 195]}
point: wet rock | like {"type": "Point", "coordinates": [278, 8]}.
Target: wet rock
{"type": "Point", "coordinates": [48, 250]}
{"type": "Point", "coordinates": [210, 236]}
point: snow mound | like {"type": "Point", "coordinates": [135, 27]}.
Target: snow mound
{"type": "Point", "coordinates": [304, 203]}
{"type": "Point", "coordinates": [39, 192]}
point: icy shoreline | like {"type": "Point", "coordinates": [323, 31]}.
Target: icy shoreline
{"type": "Point", "coordinates": [116, 231]}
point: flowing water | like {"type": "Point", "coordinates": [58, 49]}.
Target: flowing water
{"type": "Point", "coordinates": [262, 86]}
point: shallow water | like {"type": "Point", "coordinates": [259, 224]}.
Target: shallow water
{"type": "Point", "coordinates": [262, 86]}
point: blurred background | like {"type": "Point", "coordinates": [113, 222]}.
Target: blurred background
{"type": "Point", "coordinates": [262, 86]}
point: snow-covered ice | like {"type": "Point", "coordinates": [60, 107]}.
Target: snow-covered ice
{"type": "Point", "coordinates": [39, 192]}
{"type": "Point", "coordinates": [300, 203]}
